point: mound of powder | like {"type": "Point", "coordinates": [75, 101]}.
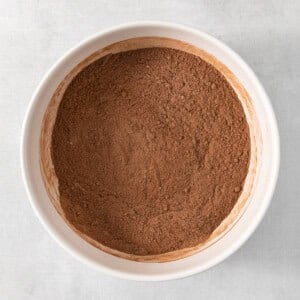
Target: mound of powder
{"type": "Point", "coordinates": [151, 148]}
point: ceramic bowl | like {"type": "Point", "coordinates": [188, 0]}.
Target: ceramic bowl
{"type": "Point", "coordinates": [262, 124]}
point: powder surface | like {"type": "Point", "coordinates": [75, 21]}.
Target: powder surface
{"type": "Point", "coordinates": [151, 148]}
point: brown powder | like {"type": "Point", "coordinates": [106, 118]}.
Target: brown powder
{"type": "Point", "coordinates": [151, 149]}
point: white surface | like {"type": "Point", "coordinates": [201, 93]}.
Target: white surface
{"type": "Point", "coordinates": [267, 168]}
{"type": "Point", "coordinates": [35, 33]}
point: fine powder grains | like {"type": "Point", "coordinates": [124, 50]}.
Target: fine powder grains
{"type": "Point", "coordinates": [151, 148]}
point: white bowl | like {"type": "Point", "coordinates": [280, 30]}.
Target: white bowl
{"type": "Point", "coordinates": [217, 252]}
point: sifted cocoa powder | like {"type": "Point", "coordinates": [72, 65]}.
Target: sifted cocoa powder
{"type": "Point", "coordinates": [151, 149]}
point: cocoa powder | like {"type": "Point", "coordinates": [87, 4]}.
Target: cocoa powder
{"type": "Point", "coordinates": [151, 148]}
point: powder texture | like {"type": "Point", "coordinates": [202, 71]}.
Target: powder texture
{"type": "Point", "coordinates": [151, 149]}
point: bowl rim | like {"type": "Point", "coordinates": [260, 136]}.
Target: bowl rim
{"type": "Point", "coordinates": [25, 169]}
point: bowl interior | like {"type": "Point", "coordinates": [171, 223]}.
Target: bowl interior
{"type": "Point", "coordinates": [265, 176]}
{"type": "Point", "coordinates": [48, 171]}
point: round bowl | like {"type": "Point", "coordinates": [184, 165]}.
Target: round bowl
{"type": "Point", "coordinates": [266, 170]}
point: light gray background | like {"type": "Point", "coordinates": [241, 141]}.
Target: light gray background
{"type": "Point", "coordinates": [34, 34]}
